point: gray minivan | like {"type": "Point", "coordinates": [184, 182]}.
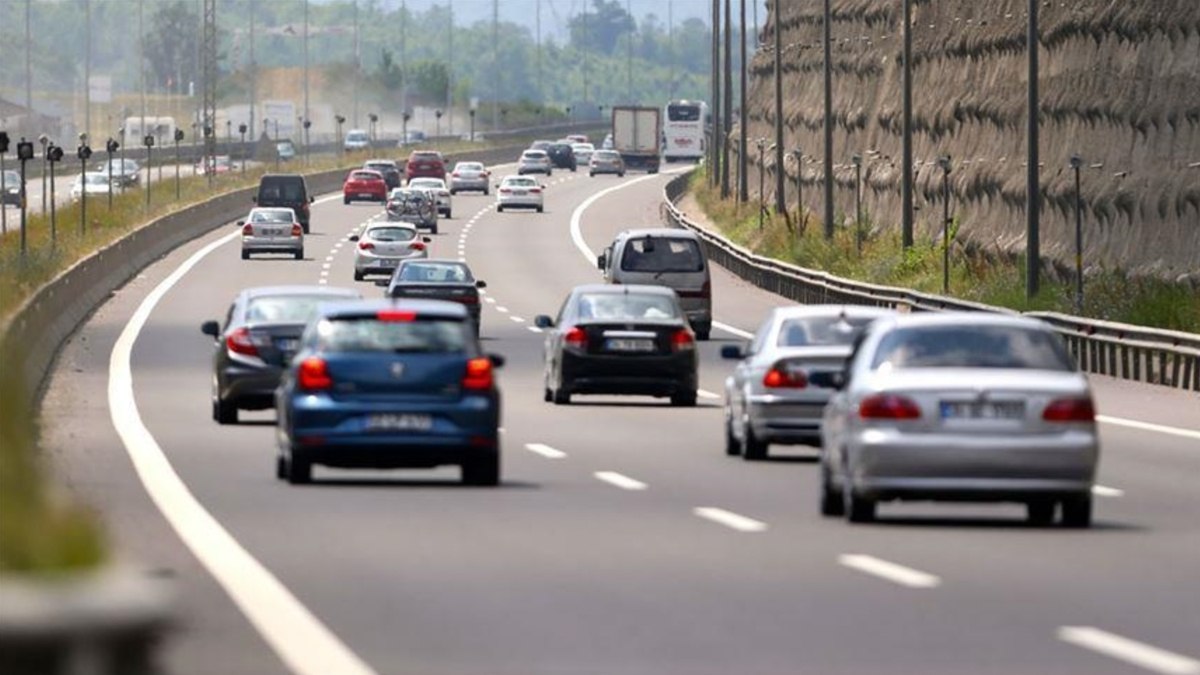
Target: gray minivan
{"type": "Point", "coordinates": [664, 257]}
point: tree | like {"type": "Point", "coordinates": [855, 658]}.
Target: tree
{"type": "Point", "coordinates": [172, 42]}
{"type": "Point", "coordinates": [602, 27]}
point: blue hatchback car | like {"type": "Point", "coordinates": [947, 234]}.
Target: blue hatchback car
{"type": "Point", "coordinates": [390, 384]}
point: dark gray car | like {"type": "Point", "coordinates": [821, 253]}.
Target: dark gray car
{"type": "Point", "coordinates": [448, 280]}
{"type": "Point", "coordinates": [260, 335]}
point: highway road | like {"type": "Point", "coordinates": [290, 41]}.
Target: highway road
{"type": "Point", "coordinates": [622, 539]}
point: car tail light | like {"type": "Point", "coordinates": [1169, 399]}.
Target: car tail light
{"type": "Point", "coordinates": [469, 299]}
{"type": "Point", "coordinates": [479, 375]}
{"type": "Point", "coordinates": [454, 175]}
{"type": "Point", "coordinates": [683, 340]}
{"type": "Point", "coordinates": [248, 230]}
{"type": "Point", "coordinates": [417, 246]}
{"type": "Point", "coordinates": [240, 342]}
{"type": "Point", "coordinates": [365, 246]}
{"type": "Point", "coordinates": [396, 315]}
{"type": "Point", "coordinates": [779, 377]}
{"type": "Point", "coordinates": [888, 407]}
{"type": "Point", "coordinates": [313, 375]}
{"type": "Point", "coordinates": [505, 191]}
{"type": "Point", "coordinates": [576, 337]}
{"type": "Point", "coordinates": [1070, 410]}
{"type": "Point", "coordinates": [535, 191]}
{"type": "Point", "coordinates": [297, 230]}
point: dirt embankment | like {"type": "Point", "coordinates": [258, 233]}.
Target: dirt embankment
{"type": "Point", "coordinates": [1120, 85]}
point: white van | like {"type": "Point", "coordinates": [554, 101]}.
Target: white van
{"type": "Point", "coordinates": [664, 257]}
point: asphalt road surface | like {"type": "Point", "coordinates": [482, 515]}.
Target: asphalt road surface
{"type": "Point", "coordinates": [622, 539]}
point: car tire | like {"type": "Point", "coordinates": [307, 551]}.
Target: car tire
{"type": "Point", "coordinates": [433, 230]}
{"type": "Point", "coordinates": [304, 228]}
{"type": "Point", "coordinates": [1040, 512]}
{"type": "Point", "coordinates": [224, 412]}
{"type": "Point", "coordinates": [621, 174]}
{"type": "Point", "coordinates": [832, 502]}
{"type": "Point", "coordinates": [300, 254]}
{"type": "Point", "coordinates": [547, 395]}
{"type": "Point", "coordinates": [1077, 512]}
{"type": "Point", "coordinates": [684, 399]}
{"type": "Point", "coordinates": [753, 449]}
{"type": "Point", "coordinates": [703, 334]}
{"type": "Point", "coordinates": [483, 471]}
{"type": "Point", "coordinates": [299, 471]}
{"type": "Point", "coordinates": [345, 200]}
{"type": "Point", "coordinates": [858, 509]}
{"type": "Point", "coordinates": [561, 396]}
{"type": "Point", "coordinates": [486, 193]}
{"type": "Point", "coordinates": [448, 213]}
{"type": "Point", "coordinates": [541, 209]}
{"type": "Point", "coordinates": [453, 192]}
{"type": "Point", "coordinates": [591, 174]}
{"type": "Point", "coordinates": [733, 447]}
{"type": "Point", "coordinates": [245, 255]}
{"type": "Point", "coordinates": [499, 209]}
{"type": "Point", "coordinates": [281, 468]}
{"type": "Point", "coordinates": [359, 276]}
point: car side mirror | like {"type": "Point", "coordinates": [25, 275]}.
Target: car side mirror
{"type": "Point", "coordinates": [497, 360]}
{"type": "Point", "coordinates": [732, 352]}
{"type": "Point", "coordinates": [543, 186]}
{"type": "Point", "coordinates": [481, 284]}
{"type": "Point", "coordinates": [211, 328]}
{"type": "Point", "coordinates": [602, 261]}
{"type": "Point", "coordinates": [354, 237]}
{"type": "Point", "coordinates": [427, 240]}
{"type": "Point", "coordinates": [241, 223]}
{"type": "Point", "coordinates": [543, 321]}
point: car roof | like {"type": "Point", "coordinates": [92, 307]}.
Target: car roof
{"type": "Point", "coordinates": [452, 310]}
{"type": "Point", "coordinates": [664, 232]}
{"type": "Point", "coordinates": [616, 289]}
{"type": "Point", "coordinates": [390, 224]}
{"type": "Point", "coordinates": [533, 152]}
{"type": "Point", "coordinates": [813, 311]}
{"type": "Point", "coordinates": [300, 289]}
{"type": "Point", "coordinates": [953, 318]}
{"type": "Point", "coordinates": [385, 162]}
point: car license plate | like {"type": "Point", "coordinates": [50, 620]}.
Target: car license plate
{"type": "Point", "coordinates": [520, 193]}
{"type": "Point", "coordinates": [982, 410]}
{"type": "Point", "coordinates": [399, 422]}
{"type": "Point", "coordinates": [365, 195]}
{"type": "Point", "coordinates": [628, 345]}
{"type": "Point", "coordinates": [287, 344]}
{"type": "Point", "coordinates": [389, 262]}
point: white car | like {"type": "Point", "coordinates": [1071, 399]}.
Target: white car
{"type": "Point", "coordinates": [438, 187]}
{"type": "Point", "coordinates": [357, 139]}
{"type": "Point", "coordinates": [519, 191]}
{"type": "Point", "coordinates": [272, 230]}
{"type": "Point", "coordinates": [470, 176]}
{"type": "Point", "coordinates": [535, 161]}
{"type": "Point", "coordinates": [382, 246]}
{"type": "Point", "coordinates": [92, 182]}
{"type": "Point", "coordinates": [583, 152]}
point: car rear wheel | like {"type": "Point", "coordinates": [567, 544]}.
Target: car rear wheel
{"type": "Point", "coordinates": [1077, 511]}
{"type": "Point", "coordinates": [832, 502]}
{"type": "Point", "coordinates": [224, 412]}
{"type": "Point", "coordinates": [300, 254]}
{"type": "Point", "coordinates": [281, 468]}
{"type": "Point", "coordinates": [858, 509]}
{"type": "Point", "coordinates": [499, 209]}
{"type": "Point", "coordinates": [733, 446]}
{"type": "Point", "coordinates": [358, 276]}
{"type": "Point", "coordinates": [299, 471]}
{"type": "Point", "coordinates": [703, 333]}
{"type": "Point", "coordinates": [482, 471]}
{"type": "Point", "coordinates": [561, 396]}
{"type": "Point", "coordinates": [1040, 512]}
{"type": "Point", "coordinates": [245, 255]}
{"type": "Point", "coordinates": [345, 200]}
{"type": "Point", "coordinates": [753, 449]}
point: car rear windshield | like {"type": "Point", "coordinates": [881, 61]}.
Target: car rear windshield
{"type": "Point", "coordinates": [279, 216]}
{"type": "Point", "coordinates": [627, 306]}
{"type": "Point", "coordinates": [662, 254]}
{"type": "Point", "coordinates": [821, 331]}
{"type": "Point", "coordinates": [533, 154]}
{"type": "Point", "coordinates": [392, 233]}
{"type": "Point", "coordinates": [422, 336]}
{"type": "Point", "coordinates": [468, 166]}
{"type": "Point", "coordinates": [972, 347]}
{"type": "Point", "coordinates": [289, 190]}
{"type": "Point", "coordinates": [364, 175]}
{"type": "Point", "coordinates": [435, 272]}
{"type": "Point", "coordinates": [409, 196]}
{"type": "Point", "coordinates": [381, 166]}
{"type": "Point", "coordinates": [520, 182]}
{"type": "Point", "coordinates": [284, 308]}
{"type": "Point", "coordinates": [425, 157]}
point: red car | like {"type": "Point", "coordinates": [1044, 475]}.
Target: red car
{"type": "Point", "coordinates": [425, 164]}
{"type": "Point", "coordinates": [364, 184]}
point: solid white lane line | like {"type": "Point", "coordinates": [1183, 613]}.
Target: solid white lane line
{"type": "Point", "coordinates": [534, 329]}
{"type": "Point", "coordinates": [730, 519]}
{"type": "Point", "coordinates": [545, 451]}
{"type": "Point", "coordinates": [297, 636]}
{"type": "Point", "coordinates": [1130, 651]}
{"type": "Point", "coordinates": [517, 319]}
{"type": "Point", "coordinates": [1146, 426]}
{"type": "Point", "coordinates": [622, 481]}
{"type": "Point", "coordinates": [704, 393]}
{"type": "Point", "coordinates": [491, 300]}
{"type": "Point", "coordinates": [733, 330]}
{"type": "Point", "coordinates": [1106, 491]}
{"type": "Point", "coordinates": [898, 574]}
{"type": "Point", "coordinates": [577, 214]}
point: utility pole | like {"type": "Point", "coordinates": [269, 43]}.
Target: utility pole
{"type": "Point", "coordinates": [743, 179]}
{"type": "Point", "coordinates": [306, 117]}
{"type": "Point", "coordinates": [142, 70]}
{"type": "Point", "coordinates": [780, 202]}
{"type": "Point", "coordinates": [1033, 197]}
{"type": "Point", "coordinates": [629, 52]}
{"type": "Point", "coordinates": [357, 65]}
{"type": "Point", "coordinates": [404, 61]}
{"type": "Point", "coordinates": [728, 100]}
{"type": "Point", "coordinates": [828, 38]}
{"type": "Point", "coordinates": [450, 69]}
{"type": "Point", "coordinates": [87, 71]}
{"type": "Point", "coordinates": [253, 75]}
{"type": "Point", "coordinates": [28, 64]}
{"type": "Point", "coordinates": [538, 58]}
{"type": "Point", "coordinates": [714, 137]}
{"type": "Point", "coordinates": [671, 51]}
{"type": "Point", "coordinates": [495, 64]}
{"type": "Point", "coordinates": [208, 51]}
{"type": "Point", "coordinates": [906, 160]}
{"type": "Point", "coordinates": [585, 54]}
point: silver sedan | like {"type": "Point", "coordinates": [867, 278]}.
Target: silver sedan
{"type": "Point", "coordinates": [770, 397]}
{"type": "Point", "coordinates": [960, 407]}
{"type": "Point", "coordinates": [272, 230]}
{"type": "Point", "coordinates": [470, 176]}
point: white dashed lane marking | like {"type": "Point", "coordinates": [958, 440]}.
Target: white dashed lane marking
{"type": "Point", "coordinates": [704, 393]}
{"type": "Point", "coordinates": [897, 574]}
{"type": "Point", "coordinates": [620, 480]}
{"type": "Point", "coordinates": [1140, 654]}
{"type": "Point", "coordinates": [1106, 491]}
{"type": "Point", "coordinates": [545, 451]}
{"type": "Point", "coordinates": [730, 519]}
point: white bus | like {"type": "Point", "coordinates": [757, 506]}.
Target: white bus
{"type": "Point", "coordinates": [684, 125]}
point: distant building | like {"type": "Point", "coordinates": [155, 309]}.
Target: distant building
{"type": "Point", "coordinates": [20, 121]}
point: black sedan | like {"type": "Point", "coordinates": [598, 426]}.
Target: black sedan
{"type": "Point", "coordinates": [562, 155]}
{"type": "Point", "coordinates": [390, 170]}
{"type": "Point", "coordinates": [437, 280]}
{"type": "Point", "coordinates": [625, 339]}
{"type": "Point", "coordinates": [261, 334]}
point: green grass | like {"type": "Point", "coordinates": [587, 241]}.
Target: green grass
{"type": "Point", "coordinates": [975, 275]}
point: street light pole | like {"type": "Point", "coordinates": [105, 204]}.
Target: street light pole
{"type": "Point", "coordinates": [828, 38]}
{"type": "Point", "coordinates": [83, 152]}
{"type": "Point", "coordinates": [1033, 201]}
{"type": "Point", "coordinates": [944, 162]}
{"type": "Point", "coordinates": [727, 93]}
{"type": "Point", "coordinates": [743, 179]}
{"type": "Point", "coordinates": [906, 152]}
{"type": "Point", "coordinates": [780, 203]}
{"type": "Point", "coordinates": [1076, 164]}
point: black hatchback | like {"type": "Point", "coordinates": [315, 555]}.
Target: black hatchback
{"type": "Point", "coordinates": [627, 339]}
{"type": "Point", "coordinates": [286, 190]}
{"type": "Point", "coordinates": [562, 156]}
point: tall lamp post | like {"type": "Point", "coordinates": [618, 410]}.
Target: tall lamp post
{"type": "Point", "coordinates": [338, 121]}
{"type": "Point", "coordinates": [944, 162]}
{"type": "Point", "coordinates": [1033, 196]}
{"type": "Point", "coordinates": [858, 233]}
{"type": "Point", "coordinates": [148, 141]}
{"type": "Point", "coordinates": [242, 128]}
{"type": "Point", "coordinates": [110, 146]}
{"type": "Point", "coordinates": [44, 141]}
{"type": "Point", "coordinates": [4, 186]}
{"type": "Point", "coordinates": [84, 153]}
{"type": "Point", "coordinates": [1076, 165]}
{"type": "Point", "coordinates": [54, 155]}
{"type": "Point", "coordinates": [24, 154]}
{"type": "Point", "coordinates": [177, 137]}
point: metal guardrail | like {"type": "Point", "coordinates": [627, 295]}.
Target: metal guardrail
{"type": "Point", "coordinates": [1125, 351]}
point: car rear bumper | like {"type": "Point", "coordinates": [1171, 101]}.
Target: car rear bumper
{"type": "Point", "coordinates": [606, 169]}
{"type": "Point", "coordinates": [650, 376]}
{"type": "Point", "coordinates": [529, 202]}
{"type": "Point", "coordinates": [781, 420]}
{"type": "Point", "coordinates": [885, 464]}
{"type": "Point", "coordinates": [289, 245]}
{"type": "Point", "coordinates": [250, 388]}
{"type": "Point", "coordinates": [460, 184]}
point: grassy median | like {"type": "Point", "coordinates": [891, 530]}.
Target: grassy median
{"type": "Point", "coordinates": [975, 274]}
